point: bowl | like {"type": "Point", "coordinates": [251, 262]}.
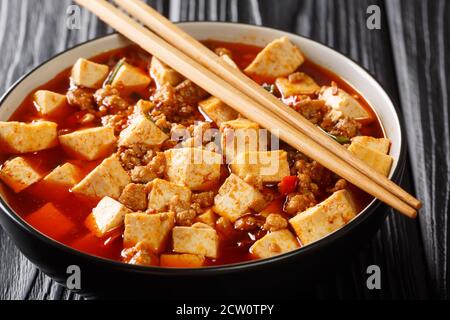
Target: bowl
{"type": "Point", "coordinates": [286, 275]}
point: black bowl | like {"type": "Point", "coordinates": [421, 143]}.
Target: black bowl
{"type": "Point", "coordinates": [286, 275]}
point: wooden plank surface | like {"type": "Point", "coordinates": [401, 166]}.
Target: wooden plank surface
{"type": "Point", "coordinates": [37, 29]}
{"type": "Point", "coordinates": [421, 32]}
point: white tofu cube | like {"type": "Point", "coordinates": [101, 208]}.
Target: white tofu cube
{"type": "Point", "coordinates": [274, 243]}
{"type": "Point", "coordinates": [279, 58]}
{"type": "Point", "coordinates": [217, 111]}
{"type": "Point", "coordinates": [201, 241]}
{"type": "Point", "coordinates": [19, 137]}
{"type": "Point", "coordinates": [131, 78]}
{"type": "Point", "coordinates": [236, 197]}
{"type": "Point", "coordinates": [324, 218]}
{"type": "Point", "coordinates": [163, 191]}
{"type": "Point", "coordinates": [89, 144]}
{"type": "Point", "coordinates": [65, 175]}
{"type": "Point", "coordinates": [381, 145]}
{"type": "Point", "coordinates": [194, 168]}
{"type": "Point", "coordinates": [108, 214]}
{"type": "Point", "coordinates": [376, 160]}
{"type": "Point", "coordinates": [150, 231]}
{"type": "Point", "coordinates": [208, 217]}
{"type": "Point", "coordinates": [143, 131]}
{"type": "Point", "coordinates": [340, 100]}
{"type": "Point", "coordinates": [107, 179]}
{"type": "Point", "coordinates": [270, 166]}
{"type": "Point", "coordinates": [239, 136]}
{"type": "Point", "coordinates": [163, 74]}
{"type": "Point", "coordinates": [18, 174]}
{"type": "Point", "coordinates": [49, 103]}
{"type": "Point", "coordinates": [89, 74]}
{"type": "Point", "coordinates": [303, 85]}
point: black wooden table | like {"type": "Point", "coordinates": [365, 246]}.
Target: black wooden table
{"type": "Point", "coordinates": [409, 55]}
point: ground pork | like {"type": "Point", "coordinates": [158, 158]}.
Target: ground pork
{"type": "Point", "coordinates": [188, 93]}
{"type": "Point", "coordinates": [135, 155]}
{"type": "Point", "coordinates": [274, 222]}
{"type": "Point", "coordinates": [204, 199]}
{"type": "Point", "coordinates": [81, 98]}
{"type": "Point", "coordinates": [117, 121]}
{"type": "Point", "coordinates": [140, 256]}
{"type": "Point", "coordinates": [142, 174]}
{"type": "Point", "coordinates": [109, 97]}
{"type": "Point", "coordinates": [153, 169]}
{"type": "Point", "coordinates": [185, 217]}
{"type": "Point", "coordinates": [296, 203]}
{"type": "Point", "coordinates": [337, 124]}
{"type": "Point", "coordinates": [180, 103]}
{"type": "Point", "coordinates": [134, 196]}
{"type": "Point", "coordinates": [312, 109]}
{"type": "Point", "coordinates": [249, 223]}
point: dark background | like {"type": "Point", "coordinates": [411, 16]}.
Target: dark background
{"type": "Point", "coordinates": [408, 55]}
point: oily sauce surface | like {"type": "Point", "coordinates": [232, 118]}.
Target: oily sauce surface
{"type": "Point", "coordinates": [76, 209]}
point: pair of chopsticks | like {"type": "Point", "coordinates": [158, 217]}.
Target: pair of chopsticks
{"type": "Point", "coordinates": [196, 62]}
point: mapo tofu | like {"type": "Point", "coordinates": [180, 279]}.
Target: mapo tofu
{"type": "Point", "coordinates": [123, 153]}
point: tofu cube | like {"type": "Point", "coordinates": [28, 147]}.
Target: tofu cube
{"type": "Point", "coordinates": [89, 74]}
{"type": "Point", "coordinates": [18, 174]}
{"type": "Point", "coordinates": [208, 217]}
{"type": "Point", "coordinates": [201, 225]}
{"type": "Point", "coordinates": [217, 111]}
{"type": "Point", "coordinates": [50, 221]}
{"type": "Point", "coordinates": [270, 166]}
{"type": "Point", "coordinates": [163, 74]}
{"type": "Point", "coordinates": [65, 175]}
{"type": "Point", "coordinates": [340, 100]}
{"type": "Point", "coordinates": [49, 103]}
{"type": "Point", "coordinates": [19, 137]}
{"type": "Point", "coordinates": [182, 260]}
{"type": "Point", "coordinates": [107, 215]}
{"type": "Point", "coordinates": [151, 231]}
{"type": "Point", "coordinates": [89, 144]}
{"type": "Point", "coordinates": [163, 191]}
{"type": "Point", "coordinates": [194, 168]}
{"type": "Point", "coordinates": [236, 197]}
{"type": "Point", "coordinates": [239, 136]}
{"type": "Point", "coordinates": [279, 58]}
{"type": "Point", "coordinates": [131, 78]}
{"type": "Point", "coordinates": [381, 145]}
{"type": "Point", "coordinates": [274, 243]}
{"type": "Point", "coordinates": [376, 160]}
{"type": "Point", "coordinates": [201, 241]}
{"type": "Point", "coordinates": [301, 84]}
{"type": "Point", "coordinates": [107, 179]}
{"type": "Point", "coordinates": [142, 130]}
{"type": "Point", "coordinates": [324, 218]}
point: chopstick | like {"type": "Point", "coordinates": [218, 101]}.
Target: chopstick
{"type": "Point", "coordinates": [197, 51]}
{"type": "Point", "coordinates": [226, 92]}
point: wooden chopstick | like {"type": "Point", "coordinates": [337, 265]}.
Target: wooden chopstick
{"type": "Point", "coordinates": [197, 51]}
{"type": "Point", "coordinates": [216, 86]}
